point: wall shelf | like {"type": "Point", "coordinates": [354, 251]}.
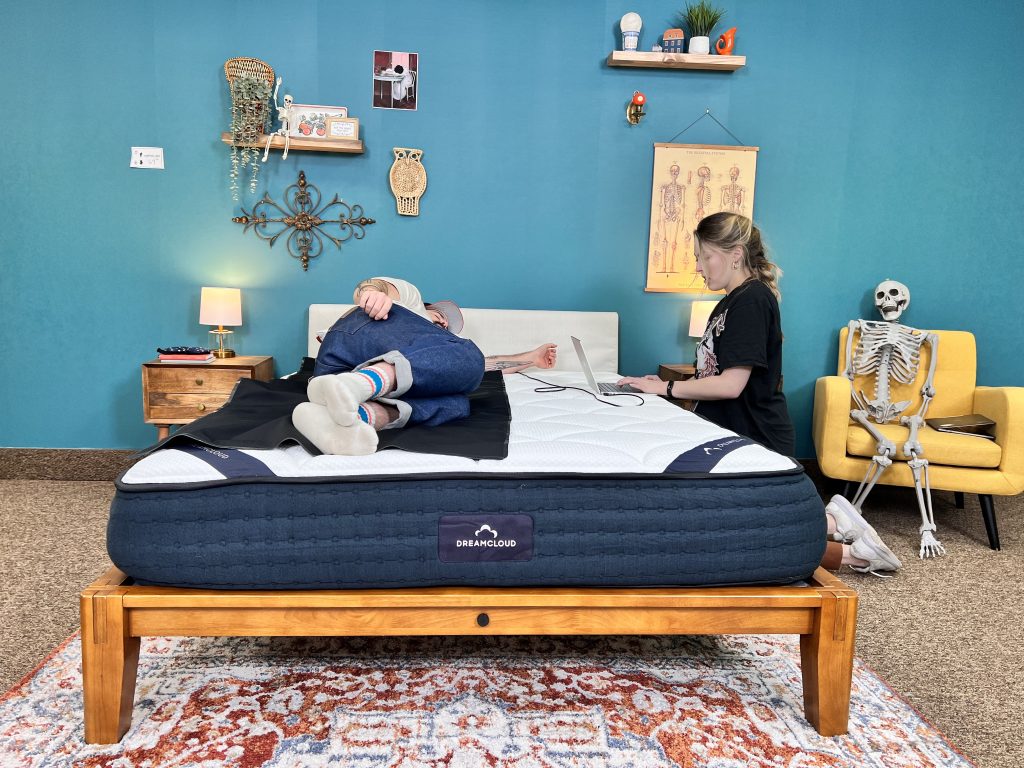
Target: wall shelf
{"type": "Point", "coordinates": [662, 60]}
{"type": "Point", "coordinates": [350, 146]}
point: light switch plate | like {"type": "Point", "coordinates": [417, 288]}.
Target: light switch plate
{"type": "Point", "coordinates": [147, 157]}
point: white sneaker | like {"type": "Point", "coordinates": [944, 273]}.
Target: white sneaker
{"type": "Point", "coordinates": [879, 557]}
{"type": "Point", "coordinates": [865, 542]}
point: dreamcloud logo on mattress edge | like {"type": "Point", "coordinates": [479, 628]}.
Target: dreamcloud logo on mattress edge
{"type": "Point", "coordinates": [484, 538]}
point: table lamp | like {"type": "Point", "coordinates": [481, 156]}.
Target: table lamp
{"type": "Point", "coordinates": [220, 307]}
{"type": "Point", "coordinates": [700, 311]}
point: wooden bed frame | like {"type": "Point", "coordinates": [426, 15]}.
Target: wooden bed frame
{"type": "Point", "coordinates": [116, 614]}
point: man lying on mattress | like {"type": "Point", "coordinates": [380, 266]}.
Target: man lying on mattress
{"type": "Point", "coordinates": [394, 361]}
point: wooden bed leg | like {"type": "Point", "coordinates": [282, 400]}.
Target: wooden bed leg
{"type": "Point", "coordinates": [826, 660]}
{"type": "Point", "coordinates": [110, 659]}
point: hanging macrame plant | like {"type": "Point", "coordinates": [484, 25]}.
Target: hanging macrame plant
{"type": "Point", "coordinates": [249, 97]}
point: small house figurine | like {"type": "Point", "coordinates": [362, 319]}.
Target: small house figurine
{"type": "Point", "coordinates": [672, 41]}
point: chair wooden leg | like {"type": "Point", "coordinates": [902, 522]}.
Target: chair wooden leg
{"type": "Point", "coordinates": [988, 512]}
{"type": "Point", "coordinates": [958, 499]}
{"type": "Point", "coordinates": [848, 490]}
{"type": "Point", "coordinates": [826, 662]}
{"type": "Point", "coordinates": [110, 659]}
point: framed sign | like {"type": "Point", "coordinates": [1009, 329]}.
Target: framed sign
{"type": "Point", "coordinates": [342, 128]}
{"type": "Point", "coordinates": [690, 182]}
{"type": "Point", "coordinates": [309, 121]}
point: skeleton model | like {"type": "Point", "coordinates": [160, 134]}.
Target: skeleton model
{"type": "Point", "coordinates": [669, 220]}
{"type": "Point", "coordinates": [892, 352]}
{"type": "Point", "coordinates": [703, 192]}
{"type": "Point", "coordinates": [733, 194]}
{"type": "Point", "coordinates": [284, 114]}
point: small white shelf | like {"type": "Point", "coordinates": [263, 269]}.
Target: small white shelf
{"type": "Point", "coordinates": [661, 60]}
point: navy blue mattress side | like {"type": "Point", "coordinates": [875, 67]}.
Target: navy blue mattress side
{"type": "Point", "coordinates": [642, 531]}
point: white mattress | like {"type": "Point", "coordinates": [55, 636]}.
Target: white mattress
{"type": "Point", "coordinates": [567, 432]}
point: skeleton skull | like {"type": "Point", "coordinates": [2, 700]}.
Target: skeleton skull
{"type": "Point", "coordinates": [891, 299]}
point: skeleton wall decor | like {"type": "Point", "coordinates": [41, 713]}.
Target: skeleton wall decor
{"type": "Point", "coordinates": [892, 352]}
{"type": "Point", "coordinates": [408, 180]}
{"type": "Point", "coordinates": [284, 115]}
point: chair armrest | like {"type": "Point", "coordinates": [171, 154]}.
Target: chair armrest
{"type": "Point", "coordinates": [1005, 406]}
{"type": "Point", "coordinates": [832, 403]}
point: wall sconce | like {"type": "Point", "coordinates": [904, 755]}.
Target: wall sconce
{"type": "Point", "coordinates": [700, 311]}
{"type": "Point", "coordinates": [635, 108]}
{"type": "Point", "coordinates": [220, 307]}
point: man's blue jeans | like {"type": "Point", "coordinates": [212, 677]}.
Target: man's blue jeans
{"type": "Point", "coordinates": [435, 369]}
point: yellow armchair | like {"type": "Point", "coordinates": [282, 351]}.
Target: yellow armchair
{"type": "Point", "coordinates": [958, 463]}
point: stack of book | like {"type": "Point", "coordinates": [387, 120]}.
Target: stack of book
{"type": "Point", "coordinates": [184, 355]}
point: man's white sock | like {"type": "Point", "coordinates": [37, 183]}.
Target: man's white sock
{"type": "Point", "coordinates": [315, 423]}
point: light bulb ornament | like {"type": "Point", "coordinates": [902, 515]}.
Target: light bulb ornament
{"type": "Point", "coordinates": [635, 108]}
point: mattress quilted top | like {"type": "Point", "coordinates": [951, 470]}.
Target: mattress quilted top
{"type": "Point", "coordinates": [552, 433]}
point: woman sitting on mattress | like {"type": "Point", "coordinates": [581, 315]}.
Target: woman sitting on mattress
{"type": "Point", "coordinates": [739, 370]}
{"type": "Point", "coordinates": [394, 361]}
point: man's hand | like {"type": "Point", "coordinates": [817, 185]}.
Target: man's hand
{"type": "Point", "coordinates": [650, 384]}
{"type": "Point", "coordinates": [376, 304]}
{"type": "Point", "coordinates": [437, 318]}
{"type": "Point", "coordinates": [545, 355]}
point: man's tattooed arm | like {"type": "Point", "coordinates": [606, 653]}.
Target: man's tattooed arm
{"type": "Point", "coordinates": [507, 364]}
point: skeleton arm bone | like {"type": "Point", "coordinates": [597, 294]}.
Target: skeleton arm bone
{"type": "Point", "coordinates": [928, 390]}
{"type": "Point", "coordinates": [848, 358]}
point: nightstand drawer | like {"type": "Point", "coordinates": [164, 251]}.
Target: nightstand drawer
{"type": "Point", "coordinates": [173, 406]}
{"type": "Point", "coordinates": [174, 378]}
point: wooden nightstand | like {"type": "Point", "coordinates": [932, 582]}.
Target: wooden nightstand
{"type": "Point", "coordinates": [177, 393]}
{"type": "Point", "coordinates": [677, 372]}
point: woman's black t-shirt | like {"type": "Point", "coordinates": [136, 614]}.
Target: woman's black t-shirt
{"type": "Point", "coordinates": [746, 329]}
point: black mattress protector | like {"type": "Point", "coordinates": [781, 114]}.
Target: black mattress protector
{"type": "Point", "coordinates": [258, 415]}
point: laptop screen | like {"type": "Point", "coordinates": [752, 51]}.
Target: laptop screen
{"type": "Point", "coordinates": [584, 363]}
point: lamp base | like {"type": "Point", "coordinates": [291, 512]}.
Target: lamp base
{"type": "Point", "coordinates": [218, 337]}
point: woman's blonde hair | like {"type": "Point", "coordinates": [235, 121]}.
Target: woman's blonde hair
{"type": "Point", "coordinates": [728, 230]}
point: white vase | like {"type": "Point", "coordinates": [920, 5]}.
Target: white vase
{"type": "Point", "coordinates": [700, 45]}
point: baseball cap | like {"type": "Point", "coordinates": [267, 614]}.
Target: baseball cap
{"type": "Point", "coordinates": [451, 313]}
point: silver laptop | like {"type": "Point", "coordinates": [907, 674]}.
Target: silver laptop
{"type": "Point", "coordinates": [604, 388]}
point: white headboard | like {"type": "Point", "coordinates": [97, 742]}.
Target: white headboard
{"type": "Point", "coordinates": [511, 331]}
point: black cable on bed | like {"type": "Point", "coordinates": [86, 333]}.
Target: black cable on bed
{"type": "Point", "coordinates": [549, 387]}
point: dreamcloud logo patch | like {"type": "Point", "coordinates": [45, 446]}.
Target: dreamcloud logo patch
{"type": "Point", "coordinates": [484, 538]}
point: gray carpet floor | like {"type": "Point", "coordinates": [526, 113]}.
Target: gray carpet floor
{"type": "Point", "coordinates": [947, 634]}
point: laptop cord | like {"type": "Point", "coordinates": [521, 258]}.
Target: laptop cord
{"type": "Point", "coordinates": [549, 387]}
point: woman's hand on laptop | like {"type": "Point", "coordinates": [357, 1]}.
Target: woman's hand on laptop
{"type": "Point", "coordinates": [650, 383]}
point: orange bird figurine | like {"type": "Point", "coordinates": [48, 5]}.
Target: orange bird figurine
{"type": "Point", "coordinates": [726, 40]}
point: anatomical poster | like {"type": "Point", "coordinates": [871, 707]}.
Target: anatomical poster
{"type": "Point", "coordinates": [692, 181]}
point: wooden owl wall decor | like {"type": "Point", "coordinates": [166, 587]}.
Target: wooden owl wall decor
{"type": "Point", "coordinates": [408, 180]}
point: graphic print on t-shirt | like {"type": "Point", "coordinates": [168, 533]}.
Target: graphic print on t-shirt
{"type": "Point", "coordinates": [707, 360]}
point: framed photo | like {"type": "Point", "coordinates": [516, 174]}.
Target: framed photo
{"type": "Point", "coordinates": [396, 80]}
{"type": "Point", "coordinates": [692, 181]}
{"type": "Point", "coordinates": [309, 121]}
{"type": "Point", "coordinates": [342, 127]}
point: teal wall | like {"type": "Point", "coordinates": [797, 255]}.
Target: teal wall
{"type": "Point", "coordinates": [885, 152]}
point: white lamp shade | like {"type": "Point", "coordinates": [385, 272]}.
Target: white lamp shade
{"type": "Point", "coordinates": [631, 22]}
{"type": "Point", "coordinates": [220, 306]}
{"type": "Point", "coordinates": [700, 311]}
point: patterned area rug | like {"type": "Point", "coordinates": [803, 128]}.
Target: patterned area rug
{"type": "Point", "coordinates": [465, 702]}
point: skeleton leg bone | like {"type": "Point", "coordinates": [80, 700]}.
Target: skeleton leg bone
{"type": "Point", "coordinates": [879, 462]}
{"type": "Point", "coordinates": [930, 546]}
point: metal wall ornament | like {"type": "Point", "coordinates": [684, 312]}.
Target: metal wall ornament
{"type": "Point", "coordinates": [304, 220]}
{"type": "Point", "coordinates": [408, 180]}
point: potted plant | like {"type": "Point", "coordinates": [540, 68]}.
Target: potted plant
{"type": "Point", "coordinates": [699, 19]}
{"type": "Point", "coordinates": [251, 81]}
{"type": "Point", "coordinates": [248, 121]}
